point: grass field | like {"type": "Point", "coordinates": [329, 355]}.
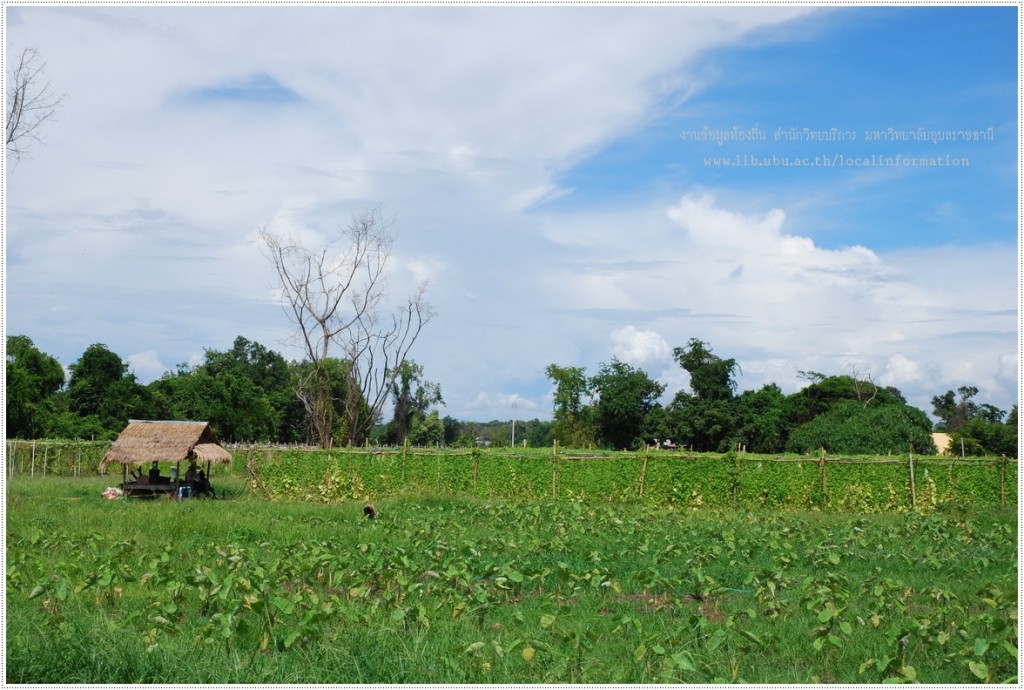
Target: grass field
{"type": "Point", "coordinates": [452, 590]}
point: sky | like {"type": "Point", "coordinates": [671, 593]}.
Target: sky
{"type": "Point", "coordinates": [803, 188]}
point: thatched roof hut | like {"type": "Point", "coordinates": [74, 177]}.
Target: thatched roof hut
{"type": "Point", "coordinates": [144, 442]}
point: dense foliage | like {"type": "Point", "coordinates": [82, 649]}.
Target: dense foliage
{"type": "Point", "coordinates": [251, 393]}
{"type": "Point", "coordinates": [841, 414]}
{"type": "Point", "coordinates": [974, 428]}
{"type": "Point", "coordinates": [490, 592]}
{"type": "Point", "coordinates": [654, 478]}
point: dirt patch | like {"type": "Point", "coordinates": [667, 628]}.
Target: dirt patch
{"type": "Point", "coordinates": [651, 601]}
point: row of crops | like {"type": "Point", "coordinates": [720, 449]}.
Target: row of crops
{"type": "Point", "coordinates": [650, 477]}
{"type": "Point", "coordinates": [474, 591]}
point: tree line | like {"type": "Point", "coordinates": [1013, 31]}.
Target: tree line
{"type": "Point", "coordinates": [618, 408]}
{"type": "Point", "coordinates": [248, 393]}
{"type": "Point", "coordinates": [252, 393]}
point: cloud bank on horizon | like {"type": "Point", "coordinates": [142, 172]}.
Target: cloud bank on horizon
{"type": "Point", "coordinates": [826, 189]}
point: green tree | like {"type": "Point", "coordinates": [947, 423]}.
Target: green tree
{"type": "Point", "coordinates": [954, 413]}
{"type": "Point", "coordinates": [572, 420]}
{"type": "Point", "coordinates": [102, 387]}
{"type": "Point", "coordinates": [429, 430]}
{"type": "Point", "coordinates": [412, 396]}
{"type": "Point", "coordinates": [760, 422]}
{"type": "Point", "coordinates": [626, 397]}
{"type": "Point", "coordinates": [246, 393]}
{"type": "Point", "coordinates": [705, 418]}
{"type": "Point", "coordinates": [711, 377]}
{"type": "Point", "coordinates": [703, 425]}
{"type": "Point", "coordinates": [33, 382]}
{"type": "Point", "coordinates": [452, 430]}
{"type": "Point", "coordinates": [852, 427]}
{"type": "Point", "coordinates": [985, 433]}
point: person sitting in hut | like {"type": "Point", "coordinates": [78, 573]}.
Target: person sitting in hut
{"type": "Point", "coordinates": [202, 485]}
{"type": "Point", "coordinates": [190, 474]}
{"type": "Point", "coordinates": [154, 473]}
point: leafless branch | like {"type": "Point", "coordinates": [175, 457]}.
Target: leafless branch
{"type": "Point", "coordinates": [336, 298]}
{"type": "Point", "coordinates": [30, 103]}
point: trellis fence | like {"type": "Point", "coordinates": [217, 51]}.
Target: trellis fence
{"type": "Point", "coordinates": [736, 480]}
{"type": "Point", "coordinates": [651, 476]}
{"type": "Point", "coordinates": [53, 457]}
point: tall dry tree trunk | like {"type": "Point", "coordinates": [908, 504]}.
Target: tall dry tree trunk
{"type": "Point", "coordinates": [335, 298]}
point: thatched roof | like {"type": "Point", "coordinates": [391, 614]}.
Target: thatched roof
{"type": "Point", "coordinates": [143, 442]}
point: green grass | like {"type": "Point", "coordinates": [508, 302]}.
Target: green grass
{"type": "Point", "coordinates": [480, 591]}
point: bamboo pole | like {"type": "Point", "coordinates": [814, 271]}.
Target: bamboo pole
{"type": "Point", "coordinates": [643, 470]}
{"type": "Point", "coordinates": [46, 457]}
{"type": "Point", "coordinates": [735, 482]}
{"type": "Point", "coordinates": [824, 478]}
{"type": "Point", "coordinates": [1002, 482]}
{"type": "Point", "coordinates": [250, 465]}
{"type": "Point", "coordinates": [32, 471]}
{"type": "Point", "coordinates": [554, 463]}
{"type": "Point", "coordinates": [913, 485]}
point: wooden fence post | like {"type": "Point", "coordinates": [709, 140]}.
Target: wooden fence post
{"type": "Point", "coordinates": [554, 463]}
{"type": "Point", "coordinates": [46, 457]}
{"type": "Point", "coordinates": [643, 470]}
{"type": "Point", "coordinates": [32, 470]}
{"type": "Point", "coordinates": [913, 485]}
{"type": "Point", "coordinates": [735, 481]}
{"type": "Point", "coordinates": [1002, 483]}
{"type": "Point", "coordinates": [824, 479]}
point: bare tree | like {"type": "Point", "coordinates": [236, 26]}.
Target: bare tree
{"type": "Point", "coordinates": [335, 298]}
{"type": "Point", "coordinates": [860, 388]}
{"type": "Point", "coordinates": [29, 103]}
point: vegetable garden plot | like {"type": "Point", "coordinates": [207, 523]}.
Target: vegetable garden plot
{"type": "Point", "coordinates": [864, 484]}
{"type": "Point", "coordinates": [472, 590]}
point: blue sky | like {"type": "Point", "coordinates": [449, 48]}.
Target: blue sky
{"type": "Point", "coordinates": [538, 169]}
{"type": "Point", "coordinates": [860, 71]}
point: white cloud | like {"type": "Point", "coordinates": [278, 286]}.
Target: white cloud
{"type": "Point", "coordinates": [794, 305]}
{"type": "Point", "coordinates": [139, 215]}
{"type": "Point", "coordinates": [640, 348]}
{"type": "Point", "coordinates": [488, 406]}
{"type": "Point", "coordinates": [146, 365]}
